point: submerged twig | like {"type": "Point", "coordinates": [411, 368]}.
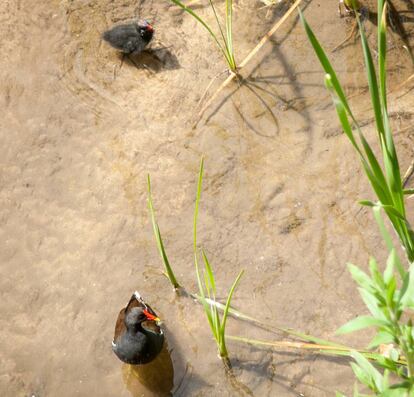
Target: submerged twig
{"type": "Point", "coordinates": [332, 350]}
{"type": "Point", "coordinates": [347, 38]}
{"type": "Point", "coordinates": [246, 60]}
{"type": "Point", "coordinates": [405, 82]}
{"type": "Point", "coordinates": [209, 85]}
{"type": "Point", "coordinates": [408, 174]}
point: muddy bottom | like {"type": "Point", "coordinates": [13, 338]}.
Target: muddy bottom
{"type": "Point", "coordinates": [79, 135]}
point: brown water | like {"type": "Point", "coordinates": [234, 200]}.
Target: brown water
{"type": "Point", "coordinates": [280, 197]}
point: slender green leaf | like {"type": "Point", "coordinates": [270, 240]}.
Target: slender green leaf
{"type": "Point", "coordinates": [340, 107]}
{"type": "Point", "coordinates": [372, 304]}
{"type": "Point", "coordinates": [381, 338]}
{"type": "Point", "coordinates": [375, 274]}
{"type": "Point", "coordinates": [372, 80]}
{"type": "Point", "coordinates": [368, 203]}
{"type": "Point", "coordinates": [360, 277]}
{"type": "Point", "coordinates": [199, 19]}
{"type": "Point", "coordinates": [391, 288]}
{"type": "Point", "coordinates": [407, 293]}
{"type": "Point", "coordinates": [403, 391]}
{"type": "Point", "coordinates": [229, 32]}
{"type": "Point", "coordinates": [360, 322]}
{"type": "Point", "coordinates": [197, 203]}
{"type": "Point", "coordinates": [158, 238]}
{"type": "Point", "coordinates": [384, 232]}
{"type": "Point", "coordinates": [388, 241]}
{"type": "Point", "coordinates": [229, 296]}
{"type": "Point", "coordinates": [369, 369]}
{"type": "Point", "coordinates": [210, 273]}
{"type": "Point", "coordinates": [382, 52]}
{"type": "Point", "coordinates": [323, 59]}
{"type": "Point", "coordinates": [362, 376]}
{"type": "Point", "coordinates": [389, 269]}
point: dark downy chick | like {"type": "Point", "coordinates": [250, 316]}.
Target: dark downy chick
{"type": "Point", "coordinates": [131, 38]}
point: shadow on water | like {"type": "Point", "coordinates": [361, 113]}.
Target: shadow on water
{"type": "Point", "coordinates": [262, 91]}
{"type": "Point", "coordinates": [156, 378]}
{"type": "Point", "coordinates": [278, 360]}
{"type": "Point", "coordinates": [395, 22]}
{"type": "Point", "coordinates": [153, 59]}
{"type": "Point", "coordinates": [238, 387]}
{"type": "Point", "coordinates": [167, 375]}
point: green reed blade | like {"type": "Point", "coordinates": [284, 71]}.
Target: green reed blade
{"type": "Point", "coordinates": [229, 297]}
{"type": "Point", "coordinates": [229, 31]}
{"type": "Point", "coordinates": [206, 26]}
{"type": "Point", "coordinates": [219, 25]}
{"type": "Point", "coordinates": [387, 238]}
{"type": "Point", "coordinates": [158, 238]}
{"type": "Point", "coordinates": [372, 79]}
{"type": "Point", "coordinates": [323, 59]}
{"type": "Point", "coordinates": [197, 203]}
{"type": "Point", "coordinates": [210, 273]}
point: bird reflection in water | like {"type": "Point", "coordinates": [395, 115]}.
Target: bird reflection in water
{"type": "Point", "coordinates": [153, 379]}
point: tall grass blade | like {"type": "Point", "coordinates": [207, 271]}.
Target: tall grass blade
{"type": "Point", "coordinates": [229, 32]}
{"type": "Point", "coordinates": [387, 238]}
{"type": "Point", "coordinates": [158, 238]}
{"type": "Point", "coordinates": [199, 19]}
{"type": "Point", "coordinates": [229, 297]}
{"type": "Point", "coordinates": [197, 203]}
{"type": "Point", "coordinates": [382, 48]}
{"type": "Point", "coordinates": [323, 59]}
{"type": "Point", "coordinates": [210, 274]}
{"type": "Point", "coordinates": [320, 348]}
{"type": "Point", "coordinates": [387, 184]}
{"type": "Point", "coordinates": [372, 80]}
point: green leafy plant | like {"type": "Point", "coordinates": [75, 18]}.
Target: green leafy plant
{"type": "Point", "coordinates": [207, 286]}
{"type": "Point", "coordinates": [225, 40]}
{"type": "Point", "coordinates": [389, 306]}
{"type": "Point", "coordinates": [386, 184]}
{"type": "Point", "coordinates": [205, 278]}
{"type": "Point", "coordinates": [389, 296]}
{"type": "Point", "coordinates": [168, 270]}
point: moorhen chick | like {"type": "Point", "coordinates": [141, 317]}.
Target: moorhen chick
{"type": "Point", "coordinates": [138, 338]}
{"type": "Point", "coordinates": [130, 38]}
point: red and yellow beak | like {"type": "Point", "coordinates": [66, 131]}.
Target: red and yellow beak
{"type": "Point", "coordinates": [151, 317]}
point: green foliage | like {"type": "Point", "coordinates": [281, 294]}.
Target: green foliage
{"type": "Point", "coordinates": [386, 182]}
{"type": "Point", "coordinates": [168, 270]}
{"type": "Point", "coordinates": [388, 305]}
{"type": "Point", "coordinates": [207, 285]}
{"type": "Point", "coordinates": [225, 44]}
{"type": "Point", "coordinates": [388, 295]}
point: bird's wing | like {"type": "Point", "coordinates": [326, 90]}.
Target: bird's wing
{"type": "Point", "coordinates": [120, 325]}
{"type": "Point", "coordinates": [131, 44]}
{"type": "Point", "coordinates": [152, 327]}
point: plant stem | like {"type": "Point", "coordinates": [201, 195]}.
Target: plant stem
{"type": "Point", "coordinates": [246, 60]}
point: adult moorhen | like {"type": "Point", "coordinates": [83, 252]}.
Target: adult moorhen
{"type": "Point", "coordinates": [138, 338]}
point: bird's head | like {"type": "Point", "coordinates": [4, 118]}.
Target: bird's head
{"type": "Point", "coordinates": [137, 315]}
{"type": "Point", "coordinates": [145, 30]}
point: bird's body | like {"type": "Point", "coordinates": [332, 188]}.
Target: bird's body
{"type": "Point", "coordinates": [138, 338]}
{"type": "Point", "coordinates": [131, 38]}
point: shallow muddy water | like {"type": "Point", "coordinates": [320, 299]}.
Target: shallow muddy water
{"type": "Point", "coordinates": [79, 135]}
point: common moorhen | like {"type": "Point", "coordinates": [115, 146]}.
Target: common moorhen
{"type": "Point", "coordinates": [130, 38]}
{"type": "Point", "coordinates": [138, 338]}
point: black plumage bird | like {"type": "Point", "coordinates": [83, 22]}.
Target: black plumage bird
{"type": "Point", "coordinates": [131, 38]}
{"type": "Point", "coordinates": [138, 338]}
